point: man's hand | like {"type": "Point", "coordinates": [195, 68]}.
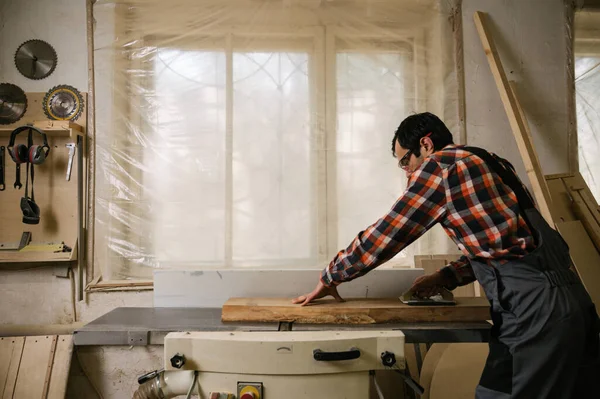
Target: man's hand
{"type": "Point", "coordinates": [429, 285]}
{"type": "Point", "coordinates": [319, 292]}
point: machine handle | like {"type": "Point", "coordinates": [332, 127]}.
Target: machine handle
{"type": "Point", "coordinates": [321, 356]}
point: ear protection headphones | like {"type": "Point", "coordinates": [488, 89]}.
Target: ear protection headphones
{"type": "Point", "coordinates": [28, 154]}
{"type": "Point", "coordinates": [35, 154]}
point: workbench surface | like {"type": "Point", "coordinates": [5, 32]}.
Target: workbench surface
{"type": "Point", "coordinates": [149, 326]}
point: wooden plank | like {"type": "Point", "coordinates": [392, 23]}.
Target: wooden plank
{"type": "Point", "coordinates": [430, 363]}
{"type": "Point", "coordinates": [562, 204]}
{"type": "Point", "coordinates": [462, 362]}
{"type": "Point", "coordinates": [353, 311]}
{"type": "Point", "coordinates": [6, 348]}
{"type": "Point", "coordinates": [11, 349]}
{"type": "Point", "coordinates": [432, 265]}
{"type": "Point", "coordinates": [419, 260]}
{"type": "Point", "coordinates": [37, 358]}
{"type": "Point", "coordinates": [49, 366]}
{"type": "Point", "coordinates": [556, 176]}
{"type": "Point", "coordinates": [35, 115]}
{"type": "Point", "coordinates": [516, 119]}
{"type": "Point", "coordinates": [51, 128]}
{"type": "Point", "coordinates": [60, 369]}
{"type": "Point", "coordinates": [586, 218]}
{"type": "Point", "coordinates": [120, 285]}
{"type": "Point", "coordinates": [584, 255]}
{"type": "Point", "coordinates": [577, 183]}
{"type": "Point", "coordinates": [34, 257]}
{"type": "Point", "coordinates": [459, 60]}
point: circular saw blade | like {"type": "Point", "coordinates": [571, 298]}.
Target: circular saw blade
{"type": "Point", "coordinates": [13, 103]}
{"type": "Point", "coordinates": [63, 102]}
{"type": "Point", "coordinates": [35, 59]}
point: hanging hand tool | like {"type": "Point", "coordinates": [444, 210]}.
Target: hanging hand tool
{"type": "Point", "coordinates": [2, 186]}
{"type": "Point", "coordinates": [18, 184]}
{"type": "Point", "coordinates": [71, 147]}
{"type": "Point", "coordinates": [25, 240]}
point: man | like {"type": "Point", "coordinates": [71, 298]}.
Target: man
{"type": "Point", "coordinates": [545, 337]}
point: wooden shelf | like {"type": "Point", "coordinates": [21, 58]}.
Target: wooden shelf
{"type": "Point", "coordinates": [35, 257]}
{"type": "Point", "coordinates": [38, 257]}
{"type": "Point", "coordinates": [50, 127]}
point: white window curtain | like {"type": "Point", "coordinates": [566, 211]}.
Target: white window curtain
{"type": "Point", "coordinates": [257, 133]}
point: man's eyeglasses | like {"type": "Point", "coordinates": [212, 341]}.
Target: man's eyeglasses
{"type": "Point", "coordinates": [403, 162]}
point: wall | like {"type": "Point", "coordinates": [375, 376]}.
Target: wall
{"type": "Point", "coordinates": [530, 35]}
{"type": "Point", "coordinates": [62, 23]}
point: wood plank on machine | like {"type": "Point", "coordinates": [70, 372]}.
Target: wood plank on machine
{"type": "Point", "coordinates": [352, 311]}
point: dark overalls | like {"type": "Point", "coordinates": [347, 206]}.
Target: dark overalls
{"type": "Point", "coordinates": [545, 340]}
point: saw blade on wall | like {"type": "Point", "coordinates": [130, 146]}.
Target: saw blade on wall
{"type": "Point", "coordinates": [63, 103]}
{"type": "Point", "coordinates": [35, 59]}
{"type": "Point", "coordinates": [13, 103]}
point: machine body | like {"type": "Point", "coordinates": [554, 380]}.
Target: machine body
{"type": "Point", "coordinates": [293, 365]}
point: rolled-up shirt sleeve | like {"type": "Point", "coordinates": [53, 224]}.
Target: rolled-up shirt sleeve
{"type": "Point", "coordinates": [460, 272]}
{"type": "Point", "coordinates": [422, 205]}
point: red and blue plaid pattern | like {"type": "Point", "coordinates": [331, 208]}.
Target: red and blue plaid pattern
{"type": "Point", "coordinates": [457, 189]}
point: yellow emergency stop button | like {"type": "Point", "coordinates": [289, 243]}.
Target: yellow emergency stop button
{"type": "Point", "coordinates": [249, 392]}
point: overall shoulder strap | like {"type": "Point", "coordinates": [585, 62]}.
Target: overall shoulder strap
{"type": "Point", "coordinates": [508, 177]}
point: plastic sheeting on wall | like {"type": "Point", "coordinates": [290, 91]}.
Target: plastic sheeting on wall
{"type": "Point", "coordinates": [587, 86]}
{"type": "Point", "coordinates": [587, 89]}
{"type": "Point", "coordinates": [258, 132]}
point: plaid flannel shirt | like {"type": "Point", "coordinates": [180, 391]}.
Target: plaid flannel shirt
{"type": "Point", "coordinates": [457, 189]}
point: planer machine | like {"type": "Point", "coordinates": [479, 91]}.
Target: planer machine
{"type": "Point", "coordinates": [209, 358]}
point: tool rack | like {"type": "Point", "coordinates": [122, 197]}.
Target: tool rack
{"type": "Point", "coordinates": [61, 201]}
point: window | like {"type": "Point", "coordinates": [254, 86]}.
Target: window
{"type": "Point", "coordinates": [255, 146]}
{"type": "Point", "coordinates": [239, 178]}
{"type": "Point", "coordinates": [253, 170]}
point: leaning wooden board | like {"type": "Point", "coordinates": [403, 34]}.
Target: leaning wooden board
{"type": "Point", "coordinates": [35, 366]}
{"type": "Point", "coordinates": [353, 311]}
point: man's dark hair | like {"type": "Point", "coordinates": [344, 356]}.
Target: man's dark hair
{"type": "Point", "coordinates": [414, 127]}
